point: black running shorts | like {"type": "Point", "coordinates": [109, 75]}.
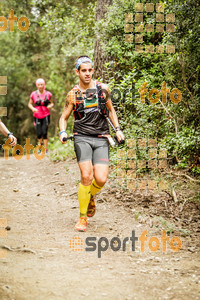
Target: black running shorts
{"type": "Point", "coordinates": [41, 126]}
{"type": "Point", "coordinates": [88, 148]}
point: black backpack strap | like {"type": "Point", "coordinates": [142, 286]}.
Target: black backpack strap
{"type": "Point", "coordinates": [45, 96]}
{"type": "Point", "coordinates": [101, 100]}
{"type": "Point", "coordinates": [79, 106]}
{"type": "Point", "coordinates": [38, 98]}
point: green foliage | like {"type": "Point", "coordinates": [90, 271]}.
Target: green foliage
{"type": "Point", "coordinates": [176, 127]}
{"type": "Point", "coordinates": [60, 152]}
{"type": "Point", "coordinates": [61, 31]}
{"type": "Point", "coordinates": [184, 145]}
{"type": "Point", "coordinates": [58, 33]}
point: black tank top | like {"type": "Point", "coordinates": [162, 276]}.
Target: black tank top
{"type": "Point", "coordinates": [93, 123]}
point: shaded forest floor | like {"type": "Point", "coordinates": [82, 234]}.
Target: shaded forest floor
{"type": "Point", "coordinates": [39, 201]}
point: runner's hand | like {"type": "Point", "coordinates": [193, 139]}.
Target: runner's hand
{"type": "Point", "coordinates": [64, 134]}
{"type": "Point", "coordinates": [35, 110]}
{"type": "Point", "coordinates": [46, 102]}
{"type": "Point", "coordinates": [13, 140]}
{"type": "Point", "coordinates": [120, 136]}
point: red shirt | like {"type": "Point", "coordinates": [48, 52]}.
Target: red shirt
{"type": "Point", "coordinates": [43, 111]}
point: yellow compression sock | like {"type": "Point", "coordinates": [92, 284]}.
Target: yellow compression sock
{"type": "Point", "coordinates": [95, 188]}
{"type": "Point", "coordinates": [84, 199]}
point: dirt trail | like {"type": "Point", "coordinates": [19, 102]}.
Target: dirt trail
{"type": "Point", "coordinates": [39, 200]}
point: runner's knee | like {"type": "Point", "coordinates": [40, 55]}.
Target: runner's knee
{"type": "Point", "coordinates": [101, 180]}
{"type": "Point", "coordinates": [86, 178]}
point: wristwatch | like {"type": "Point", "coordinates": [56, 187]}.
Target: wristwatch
{"type": "Point", "coordinates": [62, 131]}
{"type": "Point", "coordinates": [9, 133]}
{"type": "Point", "coordinates": [117, 128]}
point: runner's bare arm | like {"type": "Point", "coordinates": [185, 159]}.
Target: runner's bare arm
{"type": "Point", "coordinates": [65, 115]}
{"type": "Point", "coordinates": [4, 130]}
{"type": "Point", "coordinates": [30, 105]}
{"type": "Point", "coordinates": [112, 113]}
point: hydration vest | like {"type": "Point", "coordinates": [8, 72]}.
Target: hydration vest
{"type": "Point", "coordinates": [38, 97]}
{"type": "Point", "coordinates": [80, 102]}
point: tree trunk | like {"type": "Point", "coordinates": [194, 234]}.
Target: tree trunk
{"type": "Point", "coordinates": [99, 56]}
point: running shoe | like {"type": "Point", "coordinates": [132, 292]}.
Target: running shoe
{"type": "Point", "coordinates": [81, 224]}
{"type": "Point", "coordinates": [91, 208]}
